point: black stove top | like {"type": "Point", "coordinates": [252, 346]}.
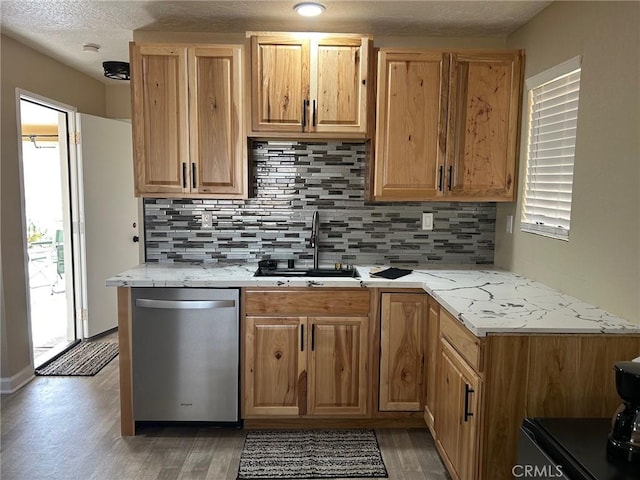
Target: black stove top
{"type": "Point", "coordinates": [580, 445]}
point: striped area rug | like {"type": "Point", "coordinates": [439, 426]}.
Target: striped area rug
{"type": "Point", "coordinates": [84, 359]}
{"type": "Point", "coordinates": [307, 454]}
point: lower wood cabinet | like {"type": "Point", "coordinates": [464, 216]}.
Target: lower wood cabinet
{"type": "Point", "coordinates": [402, 328]}
{"type": "Point", "coordinates": [305, 353]}
{"type": "Point", "coordinates": [457, 419]}
{"type": "Point", "coordinates": [431, 361]}
{"type": "Point", "coordinates": [275, 365]}
{"type": "Point", "coordinates": [486, 386]}
{"type": "Point", "coordinates": [457, 402]}
{"type": "Point", "coordinates": [337, 380]}
{"type": "Point", "coordinates": [308, 353]}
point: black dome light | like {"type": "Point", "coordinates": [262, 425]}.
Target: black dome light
{"type": "Point", "coordinates": [116, 70]}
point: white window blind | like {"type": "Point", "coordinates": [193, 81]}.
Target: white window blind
{"type": "Point", "coordinates": [553, 116]}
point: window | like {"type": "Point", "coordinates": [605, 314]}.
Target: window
{"type": "Point", "coordinates": [553, 115]}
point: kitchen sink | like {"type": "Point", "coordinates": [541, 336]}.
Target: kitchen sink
{"type": "Point", "coordinates": [309, 272]}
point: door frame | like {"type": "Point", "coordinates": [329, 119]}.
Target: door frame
{"type": "Point", "coordinates": [76, 204]}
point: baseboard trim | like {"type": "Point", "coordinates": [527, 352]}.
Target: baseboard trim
{"type": "Point", "coordinates": [17, 381]}
{"type": "Point", "coordinates": [306, 422]}
{"type": "Point", "coordinates": [102, 334]}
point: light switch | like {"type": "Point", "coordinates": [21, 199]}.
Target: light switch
{"type": "Point", "coordinates": [207, 220]}
{"type": "Point", "coordinates": [427, 221]}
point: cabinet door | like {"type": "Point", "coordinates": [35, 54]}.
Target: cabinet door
{"type": "Point", "coordinates": [338, 366]}
{"type": "Point", "coordinates": [411, 125]}
{"type": "Point", "coordinates": [279, 83]}
{"type": "Point", "coordinates": [160, 120]}
{"type": "Point", "coordinates": [339, 84]}
{"type": "Point", "coordinates": [457, 415]}
{"type": "Point", "coordinates": [218, 149]}
{"type": "Point", "coordinates": [484, 116]}
{"type": "Point", "coordinates": [403, 321]}
{"type": "Point", "coordinates": [431, 360]}
{"type": "Point", "coordinates": [275, 366]}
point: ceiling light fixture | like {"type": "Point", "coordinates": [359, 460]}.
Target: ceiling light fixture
{"type": "Point", "coordinates": [309, 9]}
{"type": "Point", "coordinates": [91, 48]}
{"type": "Point", "coordinates": [116, 70]}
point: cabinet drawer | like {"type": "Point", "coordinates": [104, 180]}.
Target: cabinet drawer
{"type": "Point", "coordinates": [466, 344]}
{"type": "Point", "coordinates": [308, 302]}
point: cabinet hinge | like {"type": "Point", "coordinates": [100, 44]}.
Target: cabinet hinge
{"type": "Point", "coordinates": [83, 314]}
{"type": "Point", "coordinates": [77, 228]}
{"type": "Point", "coordinates": [74, 138]}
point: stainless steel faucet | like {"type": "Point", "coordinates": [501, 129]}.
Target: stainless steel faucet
{"type": "Point", "coordinates": [315, 227]}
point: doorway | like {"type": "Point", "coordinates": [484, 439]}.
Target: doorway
{"type": "Point", "coordinates": [46, 174]}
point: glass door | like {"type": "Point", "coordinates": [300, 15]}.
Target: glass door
{"type": "Point", "coordinates": [47, 197]}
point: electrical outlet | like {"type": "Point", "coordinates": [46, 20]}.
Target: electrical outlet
{"type": "Point", "coordinates": [206, 220]}
{"type": "Point", "coordinates": [427, 221]}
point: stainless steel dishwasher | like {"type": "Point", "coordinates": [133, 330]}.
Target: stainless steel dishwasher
{"type": "Point", "coordinates": [185, 354]}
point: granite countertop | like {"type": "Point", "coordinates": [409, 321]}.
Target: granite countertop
{"type": "Point", "coordinates": [485, 300]}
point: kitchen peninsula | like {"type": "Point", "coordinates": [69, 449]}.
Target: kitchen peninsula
{"type": "Point", "coordinates": [492, 343]}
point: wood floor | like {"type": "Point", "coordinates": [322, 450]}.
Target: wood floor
{"type": "Point", "coordinates": [59, 428]}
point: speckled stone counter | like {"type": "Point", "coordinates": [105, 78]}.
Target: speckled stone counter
{"type": "Point", "coordinates": [486, 300]}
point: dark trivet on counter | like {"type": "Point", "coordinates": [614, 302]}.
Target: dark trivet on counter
{"type": "Point", "coordinates": [392, 273]}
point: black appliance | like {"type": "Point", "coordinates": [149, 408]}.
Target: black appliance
{"type": "Point", "coordinates": [568, 448]}
{"type": "Point", "coordinates": [623, 444]}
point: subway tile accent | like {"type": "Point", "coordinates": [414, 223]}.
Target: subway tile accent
{"type": "Point", "coordinates": [290, 181]}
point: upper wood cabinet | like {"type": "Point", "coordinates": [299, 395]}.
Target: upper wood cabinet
{"type": "Point", "coordinates": [447, 125]}
{"type": "Point", "coordinates": [188, 121]}
{"type": "Point", "coordinates": [309, 84]}
{"type": "Point", "coordinates": [411, 124]}
{"type": "Point", "coordinates": [484, 116]}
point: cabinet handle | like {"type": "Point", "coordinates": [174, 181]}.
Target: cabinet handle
{"type": "Point", "coordinates": [440, 173]}
{"type": "Point", "coordinates": [304, 114]}
{"type": "Point", "coordinates": [193, 175]}
{"type": "Point", "coordinates": [450, 176]}
{"type": "Point", "coordinates": [467, 391]}
{"type": "Point", "coordinates": [184, 175]}
{"type": "Point", "coordinates": [313, 117]}
{"type": "Point", "coordinates": [313, 336]}
{"type": "Point", "coordinates": [184, 304]}
{"type": "Point", "coordinates": [302, 338]}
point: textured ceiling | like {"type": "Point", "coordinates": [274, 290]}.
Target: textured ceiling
{"type": "Point", "coordinates": [59, 28]}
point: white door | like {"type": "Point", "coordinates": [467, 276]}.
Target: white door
{"type": "Point", "coordinates": [105, 159]}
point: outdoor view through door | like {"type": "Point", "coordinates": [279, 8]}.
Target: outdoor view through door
{"type": "Point", "coordinates": [45, 165]}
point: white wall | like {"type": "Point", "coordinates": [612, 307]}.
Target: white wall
{"type": "Point", "coordinates": [601, 261]}
{"type": "Point", "coordinates": [119, 101]}
{"type": "Point", "coordinates": [23, 67]}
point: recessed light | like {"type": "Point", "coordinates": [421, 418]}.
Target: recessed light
{"type": "Point", "coordinates": [91, 48]}
{"type": "Point", "coordinates": [309, 9]}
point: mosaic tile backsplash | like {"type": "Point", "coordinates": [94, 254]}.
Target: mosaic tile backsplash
{"type": "Point", "coordinates": [290, 181]}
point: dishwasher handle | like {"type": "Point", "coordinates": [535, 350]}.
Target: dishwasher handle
{"type": "Point", "coordinates": [184, 304]}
